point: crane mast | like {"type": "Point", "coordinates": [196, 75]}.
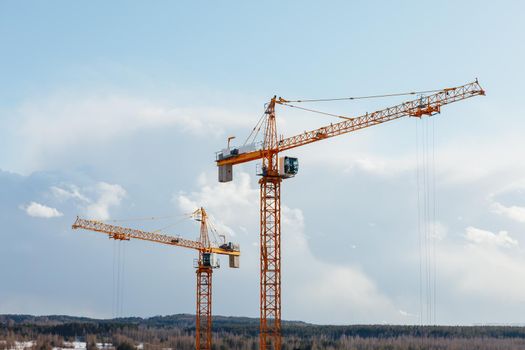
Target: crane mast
{"type": "Point", "coordinates": [204, 289]}
{"type": "Point", "coordinates": [274, 171]}
{"type": "Point", "coordinates": [204, 268]}
{"type": "Point", "coordinates": [270, 239]}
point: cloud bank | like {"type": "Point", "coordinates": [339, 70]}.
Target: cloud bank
{"type": "Point", "coordinates": [94, 201]}
{"type": "Point", "coordinates": [334, 293]}
{"type": "Point", "coordinates": [502, 238]}
{"type": "Point", "coordinates": [38, 210]}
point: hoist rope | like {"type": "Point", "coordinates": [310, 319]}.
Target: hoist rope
{"type": "Point", "coordinates": [434, 192]}
{"type": "Point", "coordinates": [119, 265]}
{"type": "Point", "coordinates": [122, 277]}
{"type": "Point", "coordinates": [145, 218]}
{"type": "Point", "coordinates": [427, 224]}
{"type": "Point", "coordinates": [114, 280]}
{"type": "Point", "coordinates": [420, 240]}
{"type": "Point", "coordinates": [428, 232]}
{"type": "Point", "coordinates": [315, 111]}
{"type": "Point", "coordinates": [364, 97]}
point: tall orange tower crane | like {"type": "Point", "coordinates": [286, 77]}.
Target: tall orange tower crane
{"type": "Point", "coordinates": [206, 262]}
{"type": "Point", "coordinates": [274, 169]}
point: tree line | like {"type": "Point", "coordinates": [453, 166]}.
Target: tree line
{"type": "Point", "coordinates": [177, 332]}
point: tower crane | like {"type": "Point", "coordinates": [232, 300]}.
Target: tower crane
{"type": "Point", "coordinates": [205, 264]}
{"type": "Point", "coordinates": [274, 169]}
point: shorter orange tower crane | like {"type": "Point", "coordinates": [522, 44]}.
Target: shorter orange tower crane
{"type": "Point", "coordinates": [206, 262]}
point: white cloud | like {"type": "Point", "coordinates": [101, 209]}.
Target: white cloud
{"type": "Point", "coordinates": [438, 230]}
{"type": "Point", "coordinates": [378, 165]}
{"type": "Point", "coordinates": [73, 192]}
{"type": "Point", "coordinates": [108, 196]}
{"type": "Point", "coordinates": [342, 293]}
{"type": "Point", "coordinates": [459, 159]}
{"type": "Point", "coordinates": [511, 191]}
{"type": "Point", "coordinates": [406, 313]}
{"type": "Point", "coordinates": [62, 123]}
{"type": "Point", "coordinates": [226, 197]}
{"type": "Point", "coordinates": [95, 202]}
{"type": "Point", "coordinates": [482, 269]}
{"type": "Point", "coordinates": [339, 290]}
{"type": "Point", "coordinates": [478, 236]}
{"type": "Point", "coordinates": [513, 212]}
{"type": "Point", "coordinates": [517, 186]}
{"type": "Point", "coordinates": [357, 160]}
{"type": "Point", "coordinates": [41, 211]}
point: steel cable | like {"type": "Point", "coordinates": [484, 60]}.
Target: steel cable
{"type": "Point", "coordinates": [364, 97]}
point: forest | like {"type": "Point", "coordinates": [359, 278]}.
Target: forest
{"type": "Point", "coordinates": [177, 332]}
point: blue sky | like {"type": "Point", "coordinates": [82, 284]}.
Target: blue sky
{"type": "Point", "coordinates": [115, 110]}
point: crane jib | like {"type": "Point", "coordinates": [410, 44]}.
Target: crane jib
{"type": "Point", "coordinates": [125, 233]}
{"type": "Point", "coordinates": [425, 105]}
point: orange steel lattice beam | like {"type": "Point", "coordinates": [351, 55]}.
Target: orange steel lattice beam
{"type": "Point", "coordinates": [203, 316]}
{"type": "Point", "coordinates": [204, 288]}
{"type": "Point", "coordinates": [270, 244]}
{"type": "Point", "coordinates": [270, 263]}
{"type": "Point", "coordinates": [126, 233]}
{"type": "Point", "coordinates": [426, 105]}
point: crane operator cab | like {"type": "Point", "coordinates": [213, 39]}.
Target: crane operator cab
{"type": "Point", "coordinates": [288, 167]}
{"type": "Point", "coordinates": [210, 260]}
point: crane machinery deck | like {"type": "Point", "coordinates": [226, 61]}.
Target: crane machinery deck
{"type": "Point", "coordinates": [274, 169]}
{"type": "Point", "coordinates": [207, 261]}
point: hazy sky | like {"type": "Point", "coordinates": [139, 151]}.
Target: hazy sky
{"type": "Point", "coordinates": [115, 109]}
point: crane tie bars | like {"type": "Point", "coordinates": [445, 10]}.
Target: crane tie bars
{"type": "Point", "coordinates": [365, 97]}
